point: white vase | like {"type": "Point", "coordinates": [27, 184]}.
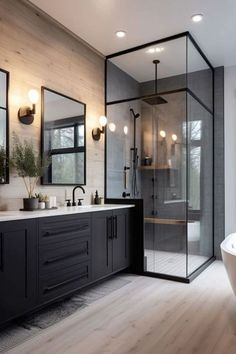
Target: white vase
{"type": "Point", "coordinates": [41, 205]}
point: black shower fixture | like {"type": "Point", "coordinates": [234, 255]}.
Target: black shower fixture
{"type": "Point", "coordinates": [155, 99]}
{"type": "Point", "coordinates": [134, 115]}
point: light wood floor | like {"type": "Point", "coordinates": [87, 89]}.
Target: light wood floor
{"type": "Point", "coordinates": [150, 316]}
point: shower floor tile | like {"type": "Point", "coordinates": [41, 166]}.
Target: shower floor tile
{"type": "Point", "coordinates": [172, 263]}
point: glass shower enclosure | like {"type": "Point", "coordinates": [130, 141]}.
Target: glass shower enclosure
{"type": "Point", "coordinates": [159, 147]}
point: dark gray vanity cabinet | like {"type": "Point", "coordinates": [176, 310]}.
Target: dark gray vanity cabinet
{"type": "Point", "coordinates": [64, 255]}
{"type": "Point", "coordinates": [110, 242]}
{"type": "Point", "coordinates": [18, 268]}
{"type": "Point", "coordinates": [45, 259]}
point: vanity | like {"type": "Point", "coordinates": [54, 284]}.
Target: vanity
{"type": "Point", "coordinates": [48, 255]}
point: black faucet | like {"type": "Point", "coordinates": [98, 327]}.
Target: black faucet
{"type": "Point", "coordinates": [73, 195]}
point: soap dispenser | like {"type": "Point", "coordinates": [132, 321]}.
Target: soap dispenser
{"type": "Point", "coordinates": [96, 198]}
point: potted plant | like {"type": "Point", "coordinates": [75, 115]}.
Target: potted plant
{"type": "Point", "coordinates": [43, 200]}
{"type": "Point", "coordinates": [3, 164]}
{"type": "Point", "coordinates": [28, 165]}
{"type": "Point", "coordinates": [40, 197]}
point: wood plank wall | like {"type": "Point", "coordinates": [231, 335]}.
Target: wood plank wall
{"type": "Point", "coordinates": [37, 52]}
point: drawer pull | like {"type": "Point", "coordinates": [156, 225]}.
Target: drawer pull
{"type": "Point", "coordinates": [65, 231]}
{"type": "Point", "coordinates": [53, 287]}
{"type": "Point", "coordinates": [70, 255]}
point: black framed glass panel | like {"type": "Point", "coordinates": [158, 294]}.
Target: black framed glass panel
{"type": "Point", "coordinates": [4, 148]}
{"type": "Point", "coordinates": [159, 97]}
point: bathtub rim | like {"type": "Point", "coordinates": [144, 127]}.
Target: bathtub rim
{"type": "Point", "coordinates": [224, 243]}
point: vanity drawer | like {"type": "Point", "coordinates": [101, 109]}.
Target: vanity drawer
{"type": "Point", "coordinates": [60, 283]}
{"type": "Point", "coordinates": [56, 229]}
{"type": "Point", "coordinates": [57, 256]}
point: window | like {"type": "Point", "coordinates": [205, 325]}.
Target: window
{"type": "Point", "coordinates": [194, 161]}
{"type": "Point", "coordinates": [66, 150]}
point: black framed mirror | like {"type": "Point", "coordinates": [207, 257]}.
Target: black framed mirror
{"type": "Point", "coordinates": [63, 139]}
{"type": "Point", "coordinates": [4, 127]}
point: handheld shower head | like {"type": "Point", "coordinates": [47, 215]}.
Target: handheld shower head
{"type": "Point", "coordinates": [134, 115]}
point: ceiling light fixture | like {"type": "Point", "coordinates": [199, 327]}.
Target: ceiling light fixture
{"type": "Point", "coordinates": [120, 34]}
{"type": "Point", "coordinates": [150, 50]}
{"type": "Point", "coordinates": [155, 50]}
{"type": "Point", "coordinates": [159, 49]}
{"type": "Point", "coordinates": [197, 17]}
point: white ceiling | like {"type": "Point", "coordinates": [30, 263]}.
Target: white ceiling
{"type": "Point", "coordinates": [96, 22]}
{"type": "Point", "coordinates": [139, 64]}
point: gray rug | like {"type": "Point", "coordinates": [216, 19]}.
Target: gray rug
{"type": "Point", "coordinates": [32, 325]}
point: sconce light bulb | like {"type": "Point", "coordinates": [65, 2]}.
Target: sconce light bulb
{"type": "Point", "coordinates": [112, 127]}
{"type": "Point", "coordinates": [103, 121]}
{"type": "Point", "coordinates": [162, 133]}
{"type": "Point", "coordinates": [33, 96]}
{"type": "Point", "coordinates": [174, 137]}
{"type": "Point", "coordinates": [126, 129]}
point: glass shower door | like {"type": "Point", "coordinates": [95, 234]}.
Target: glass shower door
{"type": "Point", "coordinates": [165, 181]}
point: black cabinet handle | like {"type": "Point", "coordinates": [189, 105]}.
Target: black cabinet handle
{"type": "Point", "coordinates": [1, 253]}
{"type": "Point", "coordinates": [109, 228]}
{"type": "Point", "coordinates": [115, 226]}
{"type": "Point", "coordinates": [65, 282]}
{"type": "Point", "coordinates": [67, 256]}
{"type": "Point", "coordinates": [57, 232]}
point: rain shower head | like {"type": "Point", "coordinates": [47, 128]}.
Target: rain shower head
{"type": "Point", "coordinates": [155, 99]}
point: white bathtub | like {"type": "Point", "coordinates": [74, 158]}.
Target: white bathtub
{"type": "Point", "coordinates": [228, 251]}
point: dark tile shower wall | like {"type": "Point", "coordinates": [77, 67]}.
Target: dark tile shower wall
{"type": "Point", "coordinates": [121, 85]}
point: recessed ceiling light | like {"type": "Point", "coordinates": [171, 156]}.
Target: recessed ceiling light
{"type": "Point", "coordinates": [159, 49]}
{"type": "Point", "coordinates": [155, 50]}
{"type": "Point", "coordinates": [120, 34]}
{"type": "Point", "coordinates": [197, 17]}
{"type": "Point", "coordinates": [150, 50]}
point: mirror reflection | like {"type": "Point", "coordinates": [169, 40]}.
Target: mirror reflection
{"type": "Point", "coordinates": [63, 141]}
{"type": "Point", "coordinates": [4, 172]}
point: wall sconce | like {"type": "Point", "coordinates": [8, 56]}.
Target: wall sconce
{"type": "Point", "coordinates": [96, 132]}
{"type": "Point", "coordinates": [112, 127]}
{"type": "Point", "coordinates": [126, 130]}
{"type": "Point", "coordinates": [26, 114]}
{"type": "Point", "coordinates": [163, 134]}
{"type": "Point", "coordinates": [174, 138]}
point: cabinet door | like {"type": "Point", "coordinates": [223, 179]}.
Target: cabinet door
{"type": "Point", "coordinates": [101, 244]}
{"type": "Point", "coordinates": [18, 262]}
{"type": "Point", "coordinates": [121, 233]}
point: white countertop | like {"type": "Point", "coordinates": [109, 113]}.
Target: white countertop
{"type": "Point", "coordinates": [21, 215]}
